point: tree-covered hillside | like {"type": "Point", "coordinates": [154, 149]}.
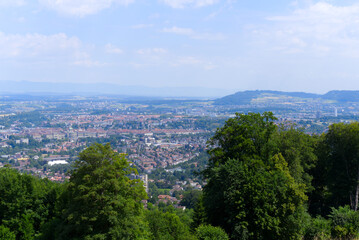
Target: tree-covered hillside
{"type": "Point", "coordinates": [246, 97]}
{"type": "Point", "coordinates": [250, 97]}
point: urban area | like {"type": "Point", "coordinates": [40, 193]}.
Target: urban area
{"type": "Point", "coordinates": [166, 140]}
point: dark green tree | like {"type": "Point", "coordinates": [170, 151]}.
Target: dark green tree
{"type": "Point", "coordinates": [243, 137]}
{"type": "Point", "coordinates": [298, 149]}
{"type": "Point", "coordinates": [250, 192]}
{"type": "Point", "coordinates": [26, 202]}
{"type": "Point", "coordinates": [340, 161]}
{"type": "Point", "coordinates": [199, 214]}
{"type": "Point", "coordinates": [190, 198]}
{"type": "Point", "coordinates": [101, 201]}
{"type": "Point", "coordinates": [208, 232]}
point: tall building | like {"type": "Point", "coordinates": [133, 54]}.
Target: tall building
{"type": "Point", "coordinates": [144, 179]}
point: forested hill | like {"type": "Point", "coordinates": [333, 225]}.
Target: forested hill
{"type": "Point", "coordinates": [248, 97]}
{"type": "Point", "coordinates": [342, 96]}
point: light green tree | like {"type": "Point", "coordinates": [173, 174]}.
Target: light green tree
{"type": "Point", "coordinates": [6, 234]}
{"type": "Point", "coordinates": [101, 201]}
{"type": "Point", "coordinates": [208, 232]}
{"type": "Point", "coordinates": [166, 226]}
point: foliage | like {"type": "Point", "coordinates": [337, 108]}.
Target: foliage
{"type": "Point", "coordinates": [339, 166]}
{"type": "Point", "coordinates": [6, 234]}
{"type": "Point", "coordinates": [298, 149]}
{"type": "Point", "coordinates": [166, 226]}
{"type": "Point", "coordinates": [190, 198]}
{"type": "Point", "coordinates": [260, 201]}
{"type": "Point", "coordinates": [242, 137]}
{"type": "Point", "coordinates": [345, 223]}
{"type": "Point", "coordinates": [199, 214]}
{"type": "Point", "coordinates": [101, 202]}
{"type": "Point", "coordinates": [26, 202]}
{"type": "Point", "coordinates": [208, 232]}
{"type": "Point", "coordinates": [319, 229]}
{"type": "Point", "coordinates": [250, 191]}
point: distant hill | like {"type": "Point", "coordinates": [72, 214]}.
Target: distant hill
{"type": "Point", "coordinates": [342, 96]}
{"type": "Point", "coordinates": [26, 87]}
{"type": "Point", "coordinates": [246, 97]}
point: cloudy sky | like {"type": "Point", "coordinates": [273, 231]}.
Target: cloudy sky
{"type": "Point", "coordinates": [301, 45]}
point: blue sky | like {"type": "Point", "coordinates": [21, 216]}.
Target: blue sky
{"type": "Point", "coordinates": [301, 45]}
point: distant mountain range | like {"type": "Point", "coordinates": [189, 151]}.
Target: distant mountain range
{"type": "Point", "coordinates": [52, 90]}
{"type": "Point", "coordinates": [36, 88]}
{"type": "Point", "coordinates": [247, 97]}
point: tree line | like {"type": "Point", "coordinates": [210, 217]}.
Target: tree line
{"type": "Point", "coordinates": [263, 181]}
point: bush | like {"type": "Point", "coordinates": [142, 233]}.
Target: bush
{"type": "Point", "coordinates": [345, 223]}
{"type": "Point", "coordinates": [208, 232]}
{"type": "Point", "coordinates": [6, 234]}
{"type": "Point", "coordinates": [166, 226]}
{"type": "Point", "coordinates": [319, 229]}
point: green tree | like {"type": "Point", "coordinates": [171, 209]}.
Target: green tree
{"type": "Point", "coordinates": [298, 149]}
{"type": "Point", "coordinates": [26, 202]}
{"type": "Point", "coordinates": [166, 226]}
{"type": "Point", "coordinates": [190, 198]}
{"type": "Point", "coordinates": [101, 201]}
{"type": "Point", "coordinates": [208, 232]}
{"type": "Point", "coordinates": [250, 192]}
{"type": "Point", "coordinates": [199, 214]}
{"type": "Point", "coordinates": [243, 137]}
{"type": "Point", "coordinates": [340, 159]}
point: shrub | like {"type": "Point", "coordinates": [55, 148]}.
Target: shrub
{"type": "Point", "coordinates": [208, 232]}
{"type": "Point", "coordinates": [345, 223]}
{"type": "Point", "coordinates": [6, 234]}
{"type": "Point", "coordinates": [319, 229]}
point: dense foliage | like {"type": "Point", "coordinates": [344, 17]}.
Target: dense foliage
{"type": "Point", "coordinates": [264, 180]}
{"type": "Point", "coordinates": [100, 201]}
{"type": "Point", "coordinates": [250, 191]}
{"type": "Point", "coordinates": [26, 204]}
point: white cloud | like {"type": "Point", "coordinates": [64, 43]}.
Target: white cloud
{"type": "Point", "coordinates": [320, 28]}
{"type": "Point", "coordinates": [38, 48]}
{"type": "Point", "coordinates": [30, 45]}
{"type": "Point", "coordinates": [156, 57]}
{"type": "Point", "coordinates": [194, 35]}
{"type": "Point", "coordinates": [189, 3]}
{"type": "Point", "coordinates": [12, 3]}
{"type": "Point", "coordinates": [180, 31]}
{"type": "Point", "coordinates": [151, 51]}
{"type": "Point", "coordinates": [81, 7]}
{"type": "Point", "coordinates": [193, 61]}
{"type": "Point", "coordinates": [113, 49]}
{"type": "Point", "coordinates": [87, 63]}
{"type": "Point", "coordinates": [140, 26]}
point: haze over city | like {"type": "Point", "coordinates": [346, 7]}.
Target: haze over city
{"type": "Point", "coordinates": [310, 46]}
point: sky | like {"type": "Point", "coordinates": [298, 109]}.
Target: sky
{"type": "Point", "coordinates": [237, 45]}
